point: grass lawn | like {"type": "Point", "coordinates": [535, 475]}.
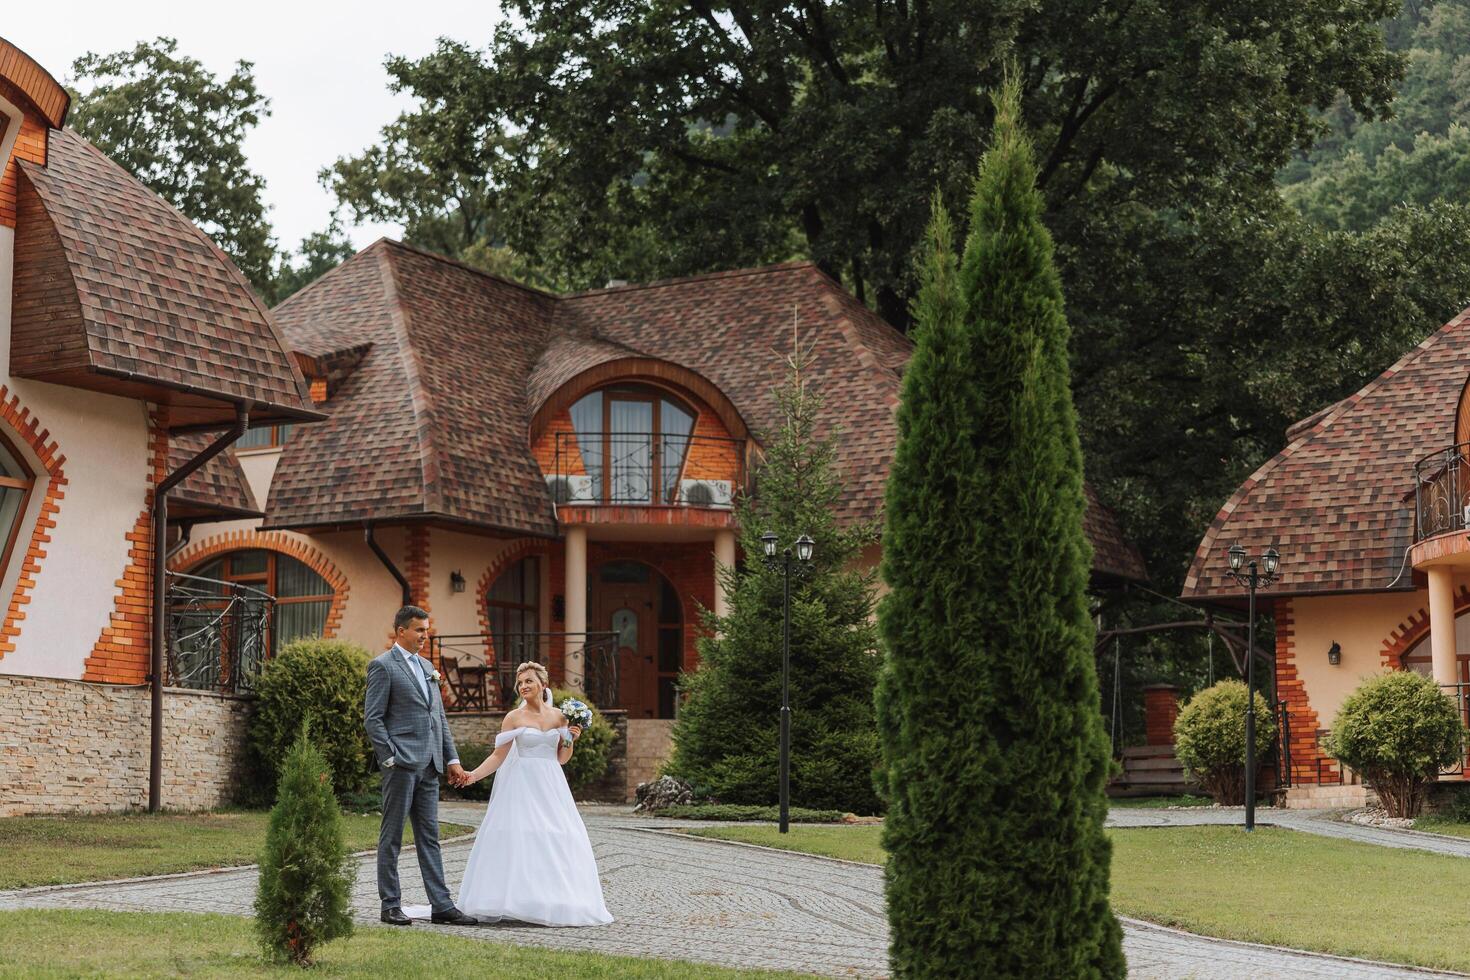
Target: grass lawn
{"type": "Point", "coordinates": [1442, 825]}
{"type": "Point", "coordinates": [71, 943]}
{"type": "Point", "coordinates": [59, 850]}
{"type": "Point", "coordinates": [1271, 886]}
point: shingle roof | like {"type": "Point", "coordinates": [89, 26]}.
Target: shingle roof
{"type": "Point", "coordinates": [1337, 500]}
{"type": "Point", "coordinates": [115, 290]}
{"type": "Point", "coordinates": [1113, 555]}
{"type": "Point", "coordinates": [217, 490]}
{"type": "Point", "coordinates": [435, 419]}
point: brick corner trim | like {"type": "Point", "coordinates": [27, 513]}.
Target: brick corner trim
{"type": "Point", "coordinates": [1406, 634]}
{"type": "Point", "coordinates": [204, 549]}
{"type": "Point", "coordinates": [1308, 763]}
{"type": "Point", "coordinates": [27, 429]}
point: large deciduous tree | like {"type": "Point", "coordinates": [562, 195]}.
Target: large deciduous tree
{"type": "Point", "coordinates": [987, 699]}
{"type": "Point", "coordinates": [180, 129]}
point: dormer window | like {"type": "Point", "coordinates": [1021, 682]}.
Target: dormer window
{"type": "Point", "coordinates": [633, 441]}
{"type": "Point", "coordinates": [265, 437]}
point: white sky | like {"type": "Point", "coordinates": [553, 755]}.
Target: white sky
{"type": "Point", "coordinates": [320, 62]}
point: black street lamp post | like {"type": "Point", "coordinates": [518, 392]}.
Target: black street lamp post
{"type": "Point", "coordinates": [782, 563]}
{"type": "Point", "coordinates": [1243, 569]}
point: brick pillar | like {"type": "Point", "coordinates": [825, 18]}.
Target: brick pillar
{"type": "Point", "coordinates": [1160, 708]}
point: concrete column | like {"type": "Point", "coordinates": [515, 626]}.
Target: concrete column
{"type": "Point", "coordinates": [724, 557]}
{"type": "Point", "coordinates": [576, 581]}
{"type": "Point", "coordinates": [1442, 625]}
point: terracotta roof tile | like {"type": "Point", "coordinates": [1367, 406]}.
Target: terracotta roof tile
{"type": "Point", "coordinates": [113, 285]}
{"type": "Point", "coordinates": [1337, 500]}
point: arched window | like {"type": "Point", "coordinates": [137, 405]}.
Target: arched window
{"type": "Point", "coordinates": [16, 480]}
{"type": "Point", "coordinates": [634, 441]}
{"type": "Point", "coordinates": [303, 598]}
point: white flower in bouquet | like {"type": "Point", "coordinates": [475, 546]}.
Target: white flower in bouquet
{"type": "Point", "coordinates": [576, 713]}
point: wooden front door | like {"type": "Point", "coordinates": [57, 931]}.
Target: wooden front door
{"type": "Point", "coordinates": [643, 608]}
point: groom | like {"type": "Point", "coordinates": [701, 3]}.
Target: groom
{"type": "Point", "coordinates": [410, 736]}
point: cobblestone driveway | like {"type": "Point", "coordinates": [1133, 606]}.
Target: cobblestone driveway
{"type": "Point", "coordinates": [685, 898]}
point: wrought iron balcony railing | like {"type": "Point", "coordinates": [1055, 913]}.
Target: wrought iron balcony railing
{"type": "Point", "coordinates": [1442, 492]}
{"type": "Point", "coordinates": [647, 469]}
{"type": "Point", "coordinates": [478, 682]}
{"type": "Point", "coordinates": [218, 633]}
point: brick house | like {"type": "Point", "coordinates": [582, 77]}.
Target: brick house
{"type": "Point", "coordinates": [1369, 505]}
{"type": "Point", "coordinates": [550, 476]}
{"type": "Point", "coordinates": [122, 326]}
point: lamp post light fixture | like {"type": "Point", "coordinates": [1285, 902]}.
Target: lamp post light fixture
{"type": "Point", "coordinates": [1244, 569]}
{"type": "Point", "coordinates": [781, 562]}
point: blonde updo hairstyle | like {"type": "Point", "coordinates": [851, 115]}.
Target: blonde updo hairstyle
{"type": "Point", "coordinates": [532, 667]}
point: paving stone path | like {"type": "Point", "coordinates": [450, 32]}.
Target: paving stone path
{"type": "Point", "coordinates": [1324, 823]}
{"type": "Point", "coordinates": [679, 897]}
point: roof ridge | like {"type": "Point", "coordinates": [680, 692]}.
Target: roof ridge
{"type": "Point", "coordinates": [447, 260]}
{"type": "Point", "coordinates": [701, 277]}
{"type": "Point", "coordinates": [419, 399]}
{"type": "Point", "coordinates": [1330, 415]}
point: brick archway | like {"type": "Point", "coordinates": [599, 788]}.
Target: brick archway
{"type": "Point", "coordinates": [202, 551]}
{"type": "Point", "coordinates": [27, 430]}
{"type": "Point", "coordinates": [1402, 638]}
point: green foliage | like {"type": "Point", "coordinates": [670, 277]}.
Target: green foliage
{"type": "Point", "coordinates": [726, 736]}
{"type": "Point", "coordinates": [1209, 738]}
{"type": "Point", "coordinates": [306, 870]}
{"type": "Point", "coordinates": [1397, 731]}
{"type": "Point", "coordinates": [994, 750]}
{"type": "Point", "coordinates": [731, 811]}
{"type": "Point", "coordinates": [324, 683]}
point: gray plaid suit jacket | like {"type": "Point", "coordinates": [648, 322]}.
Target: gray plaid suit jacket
{"type": "Point", "coordinates": [407, 731]}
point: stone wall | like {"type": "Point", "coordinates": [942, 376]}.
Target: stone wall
{"type": "Point", "coordinates": [650, 743]}
{"type": "Point", "coordinates": [482, 727]}
{"type": "Point", "coordinates": [77, 747]}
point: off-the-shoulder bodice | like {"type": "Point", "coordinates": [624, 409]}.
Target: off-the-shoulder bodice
{"type": "Point", "coordinates": [533, 743]}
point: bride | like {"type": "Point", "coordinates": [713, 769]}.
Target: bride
{"type": "Point", "coordinates": [532, 861]}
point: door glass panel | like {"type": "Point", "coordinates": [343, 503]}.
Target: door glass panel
{"type": "Point", "coordinates": [630, 446]}
{"type": "Point", "coordinates": [630, 572]}
{"type": "Point", "coordinates": [670, 649]}
{"type": "Point", "coordinates": [297, 619]}
{"type": "Point", "coordinates": [675, 424]}
{"type": "Point", "coordinates": [625, 624]}
{"type": "Point", "coordinates": [666, 697]}
{"type": "Point", "coordinates": [669, 609]}
{"type": "Point", "coordinates": [587, 423]}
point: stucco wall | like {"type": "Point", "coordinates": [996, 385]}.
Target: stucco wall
{"type": "Point", "coordinates": [1361, 625]}
{"type": "Point", "coordinates": [105, 442]}
{"type": "Point", "coordinates": [76, 747]}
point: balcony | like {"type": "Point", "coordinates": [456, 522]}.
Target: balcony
{"type": "Point", "coordinates": [611, 476]}
{"type": "Point", "coordinates": [219, 634]}
{"type": "Point", "coordinates": [1442, 492]}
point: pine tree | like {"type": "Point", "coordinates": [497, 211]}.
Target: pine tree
{"type": "Point", "coordinates": [726, 738]}
{"type": "Point", "coordinates": [306, 871]}
{"type": "Point", "coordinates": [995, 758]}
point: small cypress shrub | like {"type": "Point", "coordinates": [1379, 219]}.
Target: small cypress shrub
{"type": "Point", "coordinates": [1209, 739]}
{"type": "Point", "coordinates": [306, 871]}
{"type": "Point", "coordinates": [993, 745]}
{"type": "Point", "coordinates": [323, 682]}
{"type": "Point", "coordinates": [1397, 731]}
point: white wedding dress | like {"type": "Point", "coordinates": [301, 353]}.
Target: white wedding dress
{"type": "Point", "coordinates": [532, 861]}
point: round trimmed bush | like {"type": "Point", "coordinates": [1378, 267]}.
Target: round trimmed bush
{"type": "Point", "coordinates": [1397, 731]}
{"type": "Point", "coordinates": [323, 682]}
{"type": "Point", "coordinates": [1209, 738]}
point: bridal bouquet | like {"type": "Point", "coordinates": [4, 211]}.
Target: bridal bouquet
{"type": "Point", "coordinates": [576, 713]}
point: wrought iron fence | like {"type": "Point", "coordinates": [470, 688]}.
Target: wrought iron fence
{"type": "Point", "coordinates": [1442, 492]}
{"type": "Point", "coordinates": [1283, 745]}
{"type": "Point", "coordinates": [478, 681]}
{"type": "Point", "coordinates": [646, 469]}
{"type": "Point", "coordinates": [218, 633]}
{"type": "Point", "coordinates": [1460, 694]}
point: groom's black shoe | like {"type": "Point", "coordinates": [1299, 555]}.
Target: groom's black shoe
{"type": "Point", "coordinates": [453, 917]}
{"type": "Point", "coordinates": [395, 917]}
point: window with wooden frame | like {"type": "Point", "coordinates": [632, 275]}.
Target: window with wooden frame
{"type": "Point", "coordinates": [265, 437]}
{"type": "Point", "coordinates": [634, 442]}
{"type": "Point", "coordinates": [515, 609]}
{"type": "Point", "coordinates": [16, 482]}
{"type": "Point", "coordinates": [303, 598]}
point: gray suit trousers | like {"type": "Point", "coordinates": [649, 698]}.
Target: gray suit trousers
{"type": "Point", "coordinates": [412, 796]}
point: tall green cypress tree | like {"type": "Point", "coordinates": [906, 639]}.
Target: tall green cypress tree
{"type": "Point", "coordinates": [987, 700]}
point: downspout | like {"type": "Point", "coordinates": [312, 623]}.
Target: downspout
{"type": "Point", "coordinates": [186, 531]}
{"type": "Point", "coordinates": [367, 535]}
{"type": "Point", "coordinates": [160, 588]}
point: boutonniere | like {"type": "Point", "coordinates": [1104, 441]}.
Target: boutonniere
{"type": "Point", "coordinates": [436, 675]}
